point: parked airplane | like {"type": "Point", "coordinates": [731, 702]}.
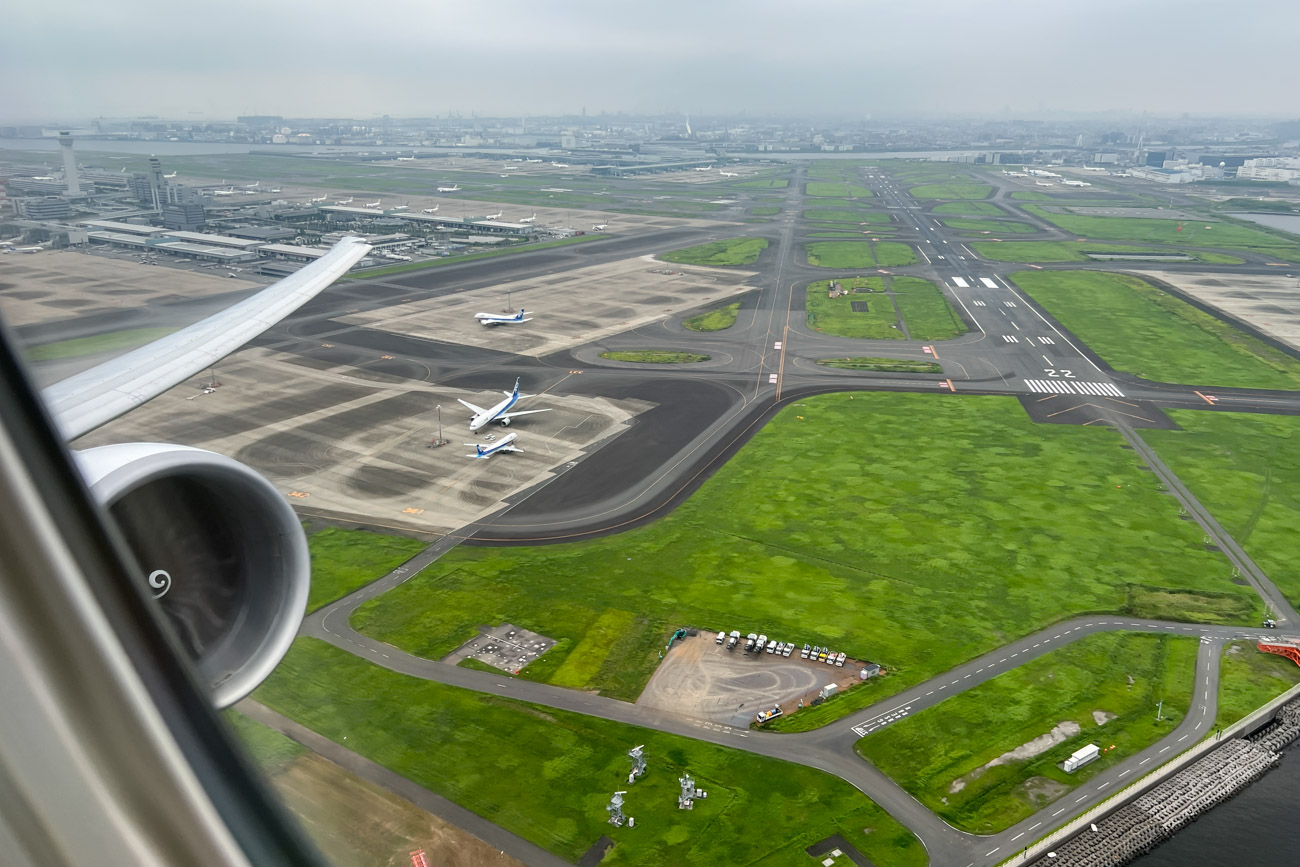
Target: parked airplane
{"type": "Point", "coordinates": [172, 175]}
{"type": "Point", "coordinates": [402, 207]}
{"type": "Point", "coordinates": [274, 189]}
{"type": "Point", "coordinates": [254, 185]}
{"type": "Point", "coordinates": [533, 161]}
{"type": "Point", "coordinates": [1045, 184]}
{"type": "Point", "coordinates": [406, 159]}
{"type": "Point", "coordinates": [8, 247]}
{"type": "Point", "coordinates": [704, 168]}
{"type": "Point", "coordinates": [482, 451]}
{"type": "Point", "coordinates": [600, 227]}
{"type": "Point", "coordinates": [375, 204]}
{"type": "Point", "coordinates": [1076, 183]}
{"type": "Point", "coordinates": [727, 174]}
{"type": "Point", "coordinates": [499, 413]}
{"type": "Point", "coordinates": [453, 188]}
{"type": "Point", "coordinates": [1041, 173]}
{"type": "Point", "coordinates": [499, 319]}
{"type": "Point", "coordinates": [560, 165]}
{"type": "Point", "coordinates": [229, 192]}
{"type": "Point", "coordinates": [346, 201]}
{"type": "Point", "coordinates": [432, 210]}
{"type": "Point", "coordinates": [321, 199]}
{"type": "Point", "coordinates": [529, 219]}
{"type": "Point", "coordinates": [495, 216]}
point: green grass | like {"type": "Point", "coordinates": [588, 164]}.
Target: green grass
{"type": "Point", "coordinates": [867, 525]}
{"type": "Point", "coordinates": [734, 251]}
{"type": "Point", "coordinates": [835, 316]}
{"type": "Point", "coordinates": [77, 347]}
{"type": "Point", "coordinates": [997, 227]}
{"type": "Point", "coordinates": [344, 560]}
{"type": "Point", "coordinates": [926, 311]}
{"type": "Point", "coordinates": [1074, 251]}
{"type": "Point", "coordinates": [1030, 196]}
{"type": "Point", "coordinates": [1194, 232]}
{"type": "Point", "coordinates": [1249, 678]}
{"type": "Point", "coordinates": [969, 208]}
{"type": "Point", "coordinates": [1245, 468]}
{"type": "Point", "coordinates": [713, 320]}
{"type": "Point", "coordinates": [858, 254]}
{"type": "Point", "coordinates": [832, 215]}
{"type": "Point", "coordinates": [762, 184]}
{"type": "Point", "coordinates": [1150, 333]}
{"type": "Point", "coordinates": [546, 775]}
{"type": "Point", "coordinates": [1124, 674]}
{"type": "Point", "coordinates": [848, 191]}
{"type": "Point", "coordinates": [764, 211]}
{"type": "Point", "coordinates": [854, 235]}
{"type": "Point", "coordinates": [886, 365]}
{"type": "Point", "coordinates": [272, 751]}
{"type": "Point", "coordinates": [468, 257]}
{"type": "Point", "coordinates": [655, 356]}
{"type": "Point", "coordinates": [950, 191]}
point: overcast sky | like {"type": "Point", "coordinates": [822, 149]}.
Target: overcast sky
{"type": "Point", "coordinates": [72, 59]}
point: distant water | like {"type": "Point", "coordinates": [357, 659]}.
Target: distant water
{"type": "Point", "coordinates": [1259, 826]}
{"type": "Point", "coordinates": [1285, 222]}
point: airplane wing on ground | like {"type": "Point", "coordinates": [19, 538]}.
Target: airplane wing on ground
{"type": "Point", "coordinates": [478, 410]}
{"type": "Point", "coordinates": [87, 400]}
{"type": "Point", "coordinates": [523, 412]}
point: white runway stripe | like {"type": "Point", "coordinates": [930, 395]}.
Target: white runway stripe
{"type": "Point", "coordinates": [1049, 341]}
{"type": "Point", "coordinates": [1073, 386]}
{"type": "Point", "coordinates": [979, 303]}
{"type": "Point", "coordinates": [1010, 338]}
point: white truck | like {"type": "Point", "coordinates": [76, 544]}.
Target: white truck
{"type": "Point", "coordinates": [733, 639]}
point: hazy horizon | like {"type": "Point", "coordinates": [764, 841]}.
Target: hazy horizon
{"type": "Point", "coordinates": [328, 58]}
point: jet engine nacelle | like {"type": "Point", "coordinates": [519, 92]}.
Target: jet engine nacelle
{"type": "Point", "coordinates": [505, 422]}
{"type": "Point", "coordinates": [221, 550]}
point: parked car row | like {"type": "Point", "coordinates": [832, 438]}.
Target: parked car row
{"type": "Point", "coordinates": [755, 643]}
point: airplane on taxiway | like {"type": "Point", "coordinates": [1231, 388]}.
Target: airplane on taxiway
{"type": "Point", "coordinates": [529, 219]}
{"type": "Point", "coordinates": [452, 189]}
{"type": "Point", "coordinates": [727, 174]}
{"type": "Point", "coordinates": [600, 227]}
{"type": "Point", "coordinates": [501, 319]}
{"type": "Point", "coordinates": [495, 216]}
{"type": "Point", "coordinates": [481, 451]}
{"type": "Point", "coordinates": [346, 201]}
{"type": "Point", "coordinates": [322, 198]}
{"type": "Point", "coordinates": [501, 412]}
{"type": "Point", "coordinates": [432, 210]}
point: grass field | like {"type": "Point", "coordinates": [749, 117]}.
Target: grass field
{"type": "Point", "coordinates": [1028, 252]}
{"type": "Point", "coordinates": [1142, 330]}
{"type": "Point", "coordinates": [713, 320]}
{"type": "Point", "coordinates": [1031, 196]}
{"type": "Point", "coordinates": [1245, 468]}
{"type": "Point", "coordinates": [344, 560]}
{"type": "Point", "coordinates": [948, 746]}
{"type": "Point", "coordinates": [979, 209]}
{"type": "Point", "coordinates": [835, 316]}
{"type": "Point", "coordinates": [1248, 678]}
{"type": "Point", "coordinates": [886, 365]}
{"type": "Point", "coordinates": [468, 257]}
{"type": "Point", "coordinates": [1193, 232]}
{"type": "Point", "coordinates": [858, 254]}
{"type": "Point", "coordinates": [848, 191]}
{"type": "Point", "coordinates": [655, 356]}
{"type": "Point", "coordinates": [764, 211]}
{"type": "Point", "coordinates": [81, 346]}
{"type": "Point", "coordinates": [547, 775]}
{"type": "Point", "coordinates": [762, 184]}
{"type": "Point", "coordinates": [833, 215]}
{"type": "Point", "coordinates": [950, 191]}
{"type": "Point", "coordinates": [866, 524]}
{"type": "Point", "coordinates": [997, 227]}
{"type": "Point", "coordinates": [734, 251]}
{"type": "Point", "coordinates": [854, 235]}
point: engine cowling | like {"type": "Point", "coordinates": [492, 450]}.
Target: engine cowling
{"type": "Point", "coordinates": [221, 549]}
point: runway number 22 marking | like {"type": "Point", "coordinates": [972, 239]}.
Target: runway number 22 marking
{"type": "Point", "coordinates": [1055, 373]}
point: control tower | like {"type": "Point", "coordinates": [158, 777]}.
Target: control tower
{"type": "Point", "coordinates": [69, 164]}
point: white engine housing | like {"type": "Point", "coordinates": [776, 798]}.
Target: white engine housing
{"type": "Point", "coordinates": [221, 549]}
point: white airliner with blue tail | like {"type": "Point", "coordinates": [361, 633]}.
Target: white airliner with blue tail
{"type": "Point", "coordinates": [500, 413]}
{"type": "Point", "coordinates": [482, 451]}
{"type": "Point", "coordinates": [500, 319]}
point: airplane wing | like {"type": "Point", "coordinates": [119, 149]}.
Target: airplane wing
{"type": "Point", "coordinates": [478, 410]}
{"type": "Point", "coordinates": [509, 449]}
{"type": "Point", "coordinates": [524, 412]}
{"type": "Point", "coordinates": [87, 400]}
